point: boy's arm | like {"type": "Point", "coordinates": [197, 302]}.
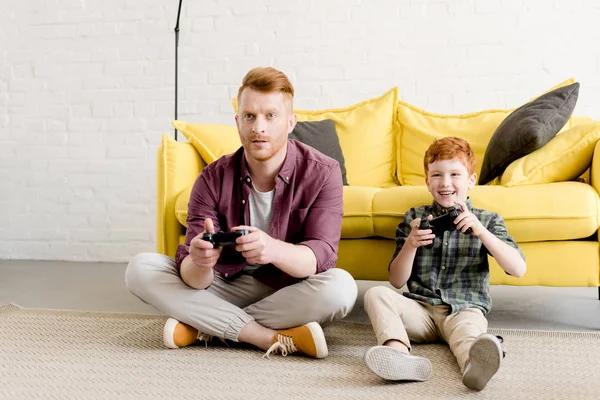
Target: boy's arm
{"type": "Point", "coordinates": [408, 239]}
{"type": "Point", "coordinates": [496, 240]}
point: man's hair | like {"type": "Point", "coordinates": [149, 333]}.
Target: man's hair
{"type": "Point", "coordinates": [448, 148]}
{"type": "Point", "coordinates": [266, 79]}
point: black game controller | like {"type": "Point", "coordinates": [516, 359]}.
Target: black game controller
{"type": "Point", "coordinates": [219, 239]}
{"type": "Point", "coordinates": [443, 223]}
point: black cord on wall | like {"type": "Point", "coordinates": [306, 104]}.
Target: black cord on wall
{"type": "Point", "coordinates": [176, 60]}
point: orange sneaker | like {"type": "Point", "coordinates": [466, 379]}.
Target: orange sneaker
{"type": "Point", "coordinates": [306, 339]}
{"type": "Point", "coordinates": [177, 334]}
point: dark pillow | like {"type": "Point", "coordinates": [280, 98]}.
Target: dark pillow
{"type": "Point", "coordinates": [527, 129]}
{"type": "Point", "coordinates": [321, 135]}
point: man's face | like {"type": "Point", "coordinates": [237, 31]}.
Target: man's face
{"type": "Point", "coordinates": [448, 181]}
{"type": "Point", "coordinates": [264, 121]}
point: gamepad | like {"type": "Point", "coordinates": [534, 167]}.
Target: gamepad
{"type": "Point", "coordinates": [443, 223]}
{"type": "Point", "coordinates": [219, 239]}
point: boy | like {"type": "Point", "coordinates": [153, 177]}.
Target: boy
{"type": "Point", "coordinates": [448, 284]}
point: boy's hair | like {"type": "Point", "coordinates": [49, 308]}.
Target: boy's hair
{"type": "Point", "coordinates": [266, 79]}
{"type": "Point", "coordinates": [448, 148]}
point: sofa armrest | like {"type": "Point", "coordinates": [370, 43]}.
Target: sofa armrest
{"type": "Point", "coordinates": [178, 164]}
{"type": "Point", "coordinates": [595, 173]}
{"type": "Point", "coordinates": [595, 168]}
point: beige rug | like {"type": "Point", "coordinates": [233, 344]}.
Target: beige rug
{"type": "Point", "coordinates": [81, 355]}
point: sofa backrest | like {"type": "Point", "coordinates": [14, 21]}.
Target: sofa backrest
{"type": "Point", "coordinates": [418, 129]}
{"type": "Point", "coordinates": [383, 139]}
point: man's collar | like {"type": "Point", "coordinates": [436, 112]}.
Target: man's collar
{"type": "Point", "coordinates": [286, 170]}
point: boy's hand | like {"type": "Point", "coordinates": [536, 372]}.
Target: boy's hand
{"type": "Point", "coordinates": [419, 237]}
{"type": "Point", "coordinates": [467, 219]}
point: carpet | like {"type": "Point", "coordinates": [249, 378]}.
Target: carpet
{"type": "Point", "coordinates": [72, 354]}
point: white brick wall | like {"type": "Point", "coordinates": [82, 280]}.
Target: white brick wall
{"type": "Point", "coordinates": [86, 88]}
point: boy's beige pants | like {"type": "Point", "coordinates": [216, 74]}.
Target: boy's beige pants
{"type": "Point", "coordinates": [396, 317]}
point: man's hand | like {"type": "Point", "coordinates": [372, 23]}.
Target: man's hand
{"type": "Point", "coordinates": [467, 219]}
{"type": "Point", "coordinates": [419, 237]}
{"type": "Point", "coordinates": [202, 253]}
{"type": "Point", "coordinates": [257, 247]}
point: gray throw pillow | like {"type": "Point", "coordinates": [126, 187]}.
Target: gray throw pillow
{"type": "Point", "coordinates": [527, 129]}
{"type": "Point", "coordinates": [321, 135]}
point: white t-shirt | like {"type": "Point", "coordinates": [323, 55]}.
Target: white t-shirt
{"type": "Point", "coordinates": [261, 209]}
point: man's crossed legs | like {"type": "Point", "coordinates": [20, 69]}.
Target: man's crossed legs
{"type": "Point", "coordinates": [243, 310]}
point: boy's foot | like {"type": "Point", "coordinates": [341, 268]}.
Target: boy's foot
{"type": "Point", "coordinates": [394, 365]}
{"type": "Point", "coordinates": [485, 357]}
{"type": "Point", "coordinates": [177, 334]}
{"type": "Point", "coordinates": [306, 339]}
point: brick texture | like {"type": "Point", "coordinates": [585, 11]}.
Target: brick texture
{"type": "Point", "coordinates": [86, 88]}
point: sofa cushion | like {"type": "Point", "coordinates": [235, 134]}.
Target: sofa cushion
{"type": "Point", "coordinates": [419, 128]}
{"type": "Point", "coordinates": [212, 141]}
{"type": "Point", "coordinates": [566, 157]}
{"type": "Point", "coordinates": [357, 221]}
{"type": "Point", "coordinates": [181, 206]}
{"type": "Point", "coordinates": [527, 129]}
{"type": "Point", "coordinates": [569, 210]}
{"type": "Point", "coordinates": [322, 136]}
{"type": "Point", "coordinates": [367, 132]}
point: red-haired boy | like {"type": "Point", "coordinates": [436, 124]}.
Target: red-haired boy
{"type": "Point", "coordinates": [448, 284]}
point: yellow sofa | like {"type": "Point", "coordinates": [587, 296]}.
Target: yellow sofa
{"type": "Point", "coordinates": [552, 215]}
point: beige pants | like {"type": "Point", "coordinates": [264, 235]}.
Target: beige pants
{"type": "Point", "coordinates": [396, 317]}
{"type": "Point", "coordinates": [225, 307]}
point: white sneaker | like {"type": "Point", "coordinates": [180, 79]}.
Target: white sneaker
{"type": "Point", "coordinates": [394, 365]}
{"type": "Point", "coordinates": [485, 357]}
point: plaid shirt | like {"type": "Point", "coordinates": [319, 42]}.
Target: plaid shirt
{"type": "Point", "coordinates": [456, 270]}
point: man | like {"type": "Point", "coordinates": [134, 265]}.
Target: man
{"type": "Point", "coordinates": [277, 285]}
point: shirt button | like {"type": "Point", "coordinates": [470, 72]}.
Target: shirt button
{"type": "Point", "coordinates": [445, 243]}
{"type": "Point", "coordinates": [226, 274]}
{"type": "Point", "coordinates": [243, 201]}
{"type": "Point", "coordinates": [443, 267]}
{"type": "Point", "coordinates": [248, 180]}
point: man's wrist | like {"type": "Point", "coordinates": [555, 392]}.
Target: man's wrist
{"type": "Point", "coordinates": [275, 251]}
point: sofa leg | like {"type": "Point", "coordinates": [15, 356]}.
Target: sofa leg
{"type": "Point", "coordinates": [598, 292]}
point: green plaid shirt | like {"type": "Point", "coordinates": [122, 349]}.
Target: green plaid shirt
{"type": "Point", "coordinates": [456, 270]}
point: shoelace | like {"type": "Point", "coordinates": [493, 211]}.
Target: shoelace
{"type": "Point", "coordinates": [205, 337]}
{"type": "Point", "coordinates": [284, 343]}
{"type": "Point", "coordinates": [501, 340]}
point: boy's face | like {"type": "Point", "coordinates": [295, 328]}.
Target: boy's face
{"type": "Point", "coordinates": [449, 181]}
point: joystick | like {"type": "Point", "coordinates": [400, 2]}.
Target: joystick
{"type": "Point", "coordinates": [443, 223]}
{"type": "Point", "coordinates": [219, 239]}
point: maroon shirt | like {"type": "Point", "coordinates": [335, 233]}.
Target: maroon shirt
{"type": "Point", "coordinates": [307, 208]}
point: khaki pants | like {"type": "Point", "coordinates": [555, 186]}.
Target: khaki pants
{"type": "Point", "coordinates": [396, 317]}
{"type": "Point", "coordinates": [225, 307]}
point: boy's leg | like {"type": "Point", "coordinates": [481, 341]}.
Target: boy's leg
{"type": "Point", "coordinates": [396, 320]}
{"type": "Point", "coordinates": [460, 330]}
{"type": "Point", "coordinates": [478, 353]}
{"type": "Point", "coordinates": [215, 311]}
